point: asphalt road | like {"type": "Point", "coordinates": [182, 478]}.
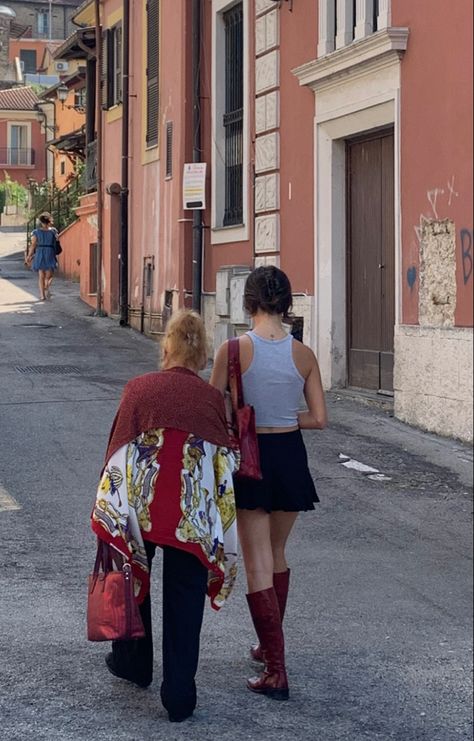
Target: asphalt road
{"type": "Point", "coordinates": [379, 633]}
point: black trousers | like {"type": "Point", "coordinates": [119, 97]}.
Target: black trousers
{"type": "Point", "coordinates": [184, 591]}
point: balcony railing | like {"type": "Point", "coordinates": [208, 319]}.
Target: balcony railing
{"type": "Point", "coordinates": [14, 157]}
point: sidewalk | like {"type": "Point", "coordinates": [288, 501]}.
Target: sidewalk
{"type": "Point", "coordinates": [378, 627]}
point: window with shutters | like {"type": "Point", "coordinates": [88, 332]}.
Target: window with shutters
{"type": "Point", "coordinates": [152, 71]}
{"type": "Point", "coordinates": [169, 149]}
{"type": "Point", "coordinates": [112, 67]}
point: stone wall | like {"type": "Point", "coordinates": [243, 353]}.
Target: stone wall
{"type": "Point", "coordinates": [433, 379]}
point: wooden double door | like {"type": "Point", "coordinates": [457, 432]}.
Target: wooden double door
{"type": "Point", "coordinates": [371, 261]}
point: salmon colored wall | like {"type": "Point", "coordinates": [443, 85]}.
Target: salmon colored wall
{"type": "Point", "coordinates": [21, 174]}
{"type": "Point", "coordinates": [238, 253]}
{"type": "Point", "coordinates": [297, 45]}
{"type": "Point", "coordinates": [157, 221]}
{"type": "Point", "coordinates": [67, 120]}
{"type": "Point", "coordinates": [436, 137]}
{"type": "Point", "coordinates": [144, 181]}
{"type": "Point", "coordinates": [175, 234]}
{"type": "Point", "coordinates": [75, 241]}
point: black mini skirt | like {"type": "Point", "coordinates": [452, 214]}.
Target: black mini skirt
{"type": "Point", "coordinates": [287, 484]}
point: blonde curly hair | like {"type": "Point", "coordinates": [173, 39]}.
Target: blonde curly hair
{"type": "Point", "coordinates": [185, 341]}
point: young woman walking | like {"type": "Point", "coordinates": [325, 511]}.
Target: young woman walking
{"type": "Point", "coordinates": [42, 255]}
{"type": "Point", "coordinates": [277, 371]}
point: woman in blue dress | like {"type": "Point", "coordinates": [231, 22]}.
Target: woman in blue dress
{"type": "Point", "coordinates": [42, 254]}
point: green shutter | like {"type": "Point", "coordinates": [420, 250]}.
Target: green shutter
{"type": "Point", "coordinates": [106, 83]}
{"type": "Point", "coordinates": [152, 71]}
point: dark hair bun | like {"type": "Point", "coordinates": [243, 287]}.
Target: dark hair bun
{"type": "Point", "coordinates": [45, 218]}
{"type": "Point", "coordinates": [267, 288]}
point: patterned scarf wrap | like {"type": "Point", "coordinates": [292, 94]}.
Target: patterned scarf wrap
{"type": "Point", "coordinates": [192, 509]}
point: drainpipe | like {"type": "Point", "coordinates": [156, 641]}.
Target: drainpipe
{"type": "Point", "coordinates": [48, 127]}
{"type": "Point", "coordinates": [100, 200]}
{"type": "Point", "coordinates": [125, 155]}
{"type": "Point", "coordinates": [197, 213]}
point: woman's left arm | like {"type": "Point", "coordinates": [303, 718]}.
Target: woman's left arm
{"type": "Point", "coordinates": [219, 375]}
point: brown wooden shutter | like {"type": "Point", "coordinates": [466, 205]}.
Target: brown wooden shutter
{"type": "Point", "coordinates": [152, 72]}
{"type": "Point", "coordinates": [106, 82]}
{"type": "Point", "coordinates": [169, 149]}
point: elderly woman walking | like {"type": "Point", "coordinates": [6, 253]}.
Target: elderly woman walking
{"type": "Point", "coordinates": [167, 482]}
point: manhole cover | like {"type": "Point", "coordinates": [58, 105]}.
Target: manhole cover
{"type": "Point", "coordinates": [63, 370]}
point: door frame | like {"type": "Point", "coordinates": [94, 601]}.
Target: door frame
{"type": "Point", "coordinates": [359, 138]}
{"type": "Point", "coordinates": [332, 129]}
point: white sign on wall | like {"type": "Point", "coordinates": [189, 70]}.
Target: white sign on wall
{"type": "Point", "coordinates": [194, 186]}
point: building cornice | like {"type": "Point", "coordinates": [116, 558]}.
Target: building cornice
{"type": "Point", "coordinates": [369, 54]}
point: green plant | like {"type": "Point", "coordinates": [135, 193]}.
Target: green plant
{"type": "Point", "coordinates": [12, 193]}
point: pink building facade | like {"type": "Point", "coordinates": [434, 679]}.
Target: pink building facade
{"type": "Point", "coordinates": [338, 143]}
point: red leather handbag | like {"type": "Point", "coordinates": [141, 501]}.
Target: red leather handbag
{"type": "Point", "coordinates": [112, 610]}
{"type": "Point", "coordinates": [243, 418]}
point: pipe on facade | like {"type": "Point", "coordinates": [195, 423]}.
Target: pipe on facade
{"type": "Point", "coordinates": [197, 213]}
{"type": "Point", "coordinates": [124, 193]}
{"type": "Point", "coordinates": [48, 127]}
{"type": "Point", "coordinates": [100, 200]}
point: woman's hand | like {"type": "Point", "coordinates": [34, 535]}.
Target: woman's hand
{"type": "Point", "coordinates": [29, 258]}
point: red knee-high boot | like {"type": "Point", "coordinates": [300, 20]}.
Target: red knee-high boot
{"type": "Point", "coordinates": [265, 613]}
{"type": "Point", "coordinates": [281, 583]}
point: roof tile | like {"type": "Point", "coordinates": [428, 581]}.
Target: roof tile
{"type": "Point", "coordinates": [18, 99]}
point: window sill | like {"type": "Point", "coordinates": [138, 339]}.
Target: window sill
{"type": "Point", "coordinates": [228, 234]}
{"type": "Point", "coordinates": [114, 113]}
{"type": "Point", "coordinates": [11, 166]}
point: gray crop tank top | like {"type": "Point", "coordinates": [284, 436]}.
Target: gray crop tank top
{"type": "Point", "coordinates": [272, 384]}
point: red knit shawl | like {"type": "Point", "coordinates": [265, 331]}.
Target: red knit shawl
{"type": "Point", "coordinates": [176, 398]}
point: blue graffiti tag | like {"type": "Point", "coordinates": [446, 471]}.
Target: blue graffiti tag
{"type": "Point", "coordinates": [466, 237]}
{"type": "Point", "coordinates": [411, 276]}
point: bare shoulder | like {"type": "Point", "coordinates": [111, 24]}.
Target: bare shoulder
{"type": "Point", "coordinates": [304, 357]}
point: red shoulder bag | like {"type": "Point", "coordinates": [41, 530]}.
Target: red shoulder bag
{"type": "Point", "coordinates": [243, 418]}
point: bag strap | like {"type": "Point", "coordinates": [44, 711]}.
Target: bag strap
{"type": "Point", "coordinates": [106, 557]}
{"type": "Point", "coordinates": [235, 373]}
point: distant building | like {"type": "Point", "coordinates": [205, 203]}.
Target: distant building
{"type": "Point", "coordinates": [34, 20]}
{"type": "Point", "coordinates": [22, 136]}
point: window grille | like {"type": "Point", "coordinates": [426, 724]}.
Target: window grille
{"type": "Point", "coordinates": [152, 71]}
{"type": "Point", "coordinates": [233, 115]}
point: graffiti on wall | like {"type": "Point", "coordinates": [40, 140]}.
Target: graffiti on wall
{"type": "Point", "coordinates": [440, 199]}
{"type": "Point", "coordinates": [411, 276]}
{"type": "Point", "coordinates": [466, 238]}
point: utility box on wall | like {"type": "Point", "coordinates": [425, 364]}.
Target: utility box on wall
{"type": "Point", "coordinates": [238, 315]}
{"type": "Point", "coordinates": [230, 283]}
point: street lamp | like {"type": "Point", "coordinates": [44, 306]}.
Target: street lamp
{"type": "Point", "coordinates": [63, 93]}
